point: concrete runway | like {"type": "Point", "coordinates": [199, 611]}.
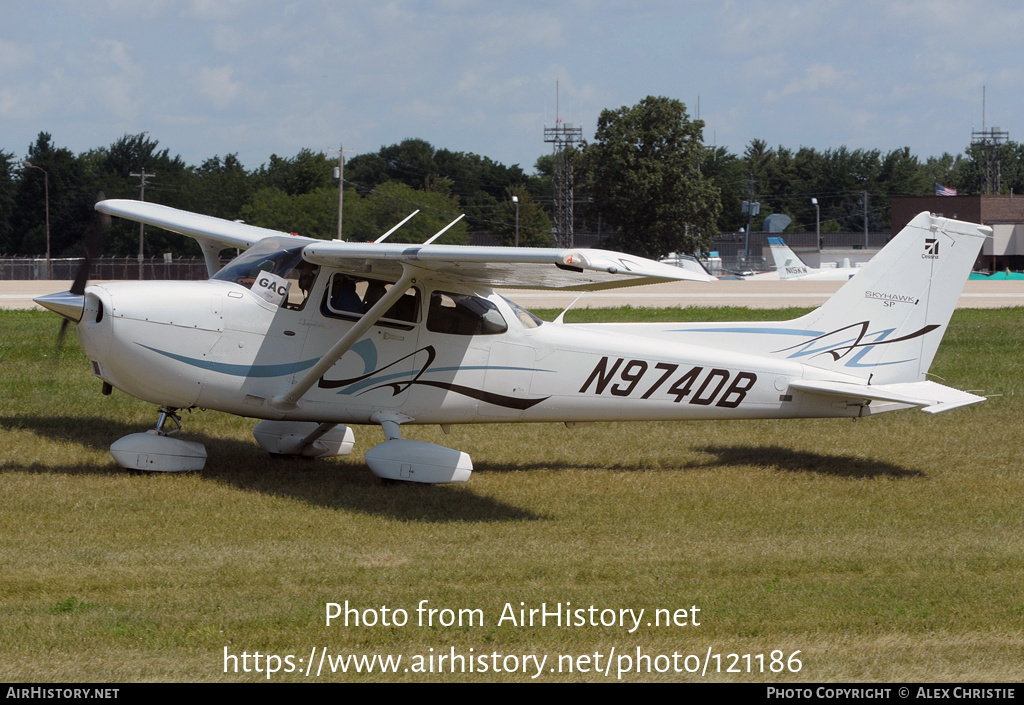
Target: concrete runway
{"type": "Point", "coordinates": [749, 293]}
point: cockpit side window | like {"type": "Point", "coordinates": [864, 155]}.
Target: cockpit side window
{"type": "Point", "coordinates": [462, 314]}
{"type": "Point", "coordinates": [301, 278]}
{"type": "Point", "coordinates": [350, 297]}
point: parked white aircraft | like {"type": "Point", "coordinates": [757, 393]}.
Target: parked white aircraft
{"type": "Point", "coordinates": [790, 266]}
{"type": "Point", "coordinates": [311, 334]}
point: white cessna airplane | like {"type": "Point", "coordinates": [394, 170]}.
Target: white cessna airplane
{"type": "Point", "coordinates": [791, 267]}
{"type": "Point", "coordinates": [313, 335]}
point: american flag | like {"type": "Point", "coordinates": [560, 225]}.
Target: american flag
{"type": "Point", "coordinates": [941, 190]}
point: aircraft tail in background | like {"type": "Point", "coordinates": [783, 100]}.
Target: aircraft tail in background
{"type": "Point", "coordinates": [788, 265]}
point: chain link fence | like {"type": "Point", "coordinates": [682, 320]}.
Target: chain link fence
{"type": "Point", "coordinates": [729, 246]}
{"type": "Point", "coordinates": [104, 268]}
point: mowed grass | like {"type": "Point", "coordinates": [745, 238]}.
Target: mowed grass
{"type": "Point", "coordinates": [886, 549]}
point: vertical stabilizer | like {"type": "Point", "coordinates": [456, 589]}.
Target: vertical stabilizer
{"type": "Point", "coordinates": [788, 265]}
{"type": "Point", "coordinates": [885, 324]}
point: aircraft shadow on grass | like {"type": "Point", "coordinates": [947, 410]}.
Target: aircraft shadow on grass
{"type": "Point", "coordinates": [333, 485]}
{"type": "Point", "coordinates": [339, 484]}
{"type": "Point", "coordinates": [802, 461]}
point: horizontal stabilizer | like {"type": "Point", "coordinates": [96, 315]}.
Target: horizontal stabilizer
{"type": "Point", "coordinates": [933, 397]}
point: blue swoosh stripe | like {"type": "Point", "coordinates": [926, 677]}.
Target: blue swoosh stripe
{"type": "Point", "coordinates": [224, 368]}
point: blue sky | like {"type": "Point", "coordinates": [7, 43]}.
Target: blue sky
{"type": "Point", "coordinates": [208, 77]}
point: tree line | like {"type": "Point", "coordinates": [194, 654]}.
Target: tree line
{"type": "Point", "coordinates": [646, 181]}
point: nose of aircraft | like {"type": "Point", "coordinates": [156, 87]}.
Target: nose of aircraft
{"type": "Point", "coordinates": [70, 306]}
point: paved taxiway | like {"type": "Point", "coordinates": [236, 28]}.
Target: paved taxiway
{"type": "Point", "coordinates": [752, 293]}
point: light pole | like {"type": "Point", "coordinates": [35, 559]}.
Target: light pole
{"type": "Point", "coordinates": [46, 185]}
{"type": "Point", "coordinates": [515, 200]}
{"type": "Point", "coordinates": [142, 228]}
{"type": "Point", "coordinates": [817, 223]}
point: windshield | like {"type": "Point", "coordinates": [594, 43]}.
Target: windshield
{"type": "Point", "coordinates": [525, 317]}
{"type": "Point", "coordinates": [276, 255]}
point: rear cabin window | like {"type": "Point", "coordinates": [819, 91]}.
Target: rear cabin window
{"type": "Point", "coordinates": [350, 297]}
{"type": "Point", "coordinates": [461, 314]}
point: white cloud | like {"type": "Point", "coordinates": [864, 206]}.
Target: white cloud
{"type": "Point", "coordinates": [264, 76]}
{"type": "Point", "coordinates": [14, 56]}
{"type": "Point", "coordinates": [217, 85]}
{"type": "Point", "coordinates": [815, 78]}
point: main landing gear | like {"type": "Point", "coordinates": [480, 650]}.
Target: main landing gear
{"type": "Point", "coordinates": [414, 461]}
{"type": "Point", "coordinates": [396, 458]}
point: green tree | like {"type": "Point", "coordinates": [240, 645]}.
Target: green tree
{"type": "Point", "coordinates": [942, 170]}
{"type": "Point", "coordinates": [304, 173]}
{"type": "Point", "coordinates": [70, 197]}
{"type": "Point", "coordinates": [725, 171]}
{"type": "Point", "coordinates": [479, 182]}
{"type": "Point", "coordinates": [109, 170]}
{"type": "Point", "coordinates": [8, 190]}
{"type": "Point", "coordinates": [219, 187]}
{"type": "Point", "coordinates": [313, 214]}
{"type": "Point", "coordinates": [646, 164]}
{"type": "Point", "coordinates": [534, 223]}
{"type": "Point", "coordinates": [390, 202]}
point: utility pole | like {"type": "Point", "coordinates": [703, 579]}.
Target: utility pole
{"type": "Point", "coordinates": [751, 208]}
{"type": "Point", "coordinates": [817, 224]}
{"type": "Point", "coordinates": [341, 183]}
{"type": "Point", "coordinates": [865, 220]}
{"type": "Point", "coordinates": [339, 173]}
{"type": "Point", "coordinates": [142, 197]}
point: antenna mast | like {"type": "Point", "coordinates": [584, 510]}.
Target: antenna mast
{"type": "Point", "coordinates": [564, 137]}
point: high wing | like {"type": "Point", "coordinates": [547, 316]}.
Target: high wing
{"type": "Point", "coordinates": [204, 228]}
{"type": "Point", "coordinates": [506, 267]}
{"type": "Point", "coordinates": [213, 234]}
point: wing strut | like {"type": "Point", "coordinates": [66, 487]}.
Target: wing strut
{"type": "Point", "coordinates": [289, 400]}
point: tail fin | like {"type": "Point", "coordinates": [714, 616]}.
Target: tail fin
{"type": "Point", "coordinates": [885, 324]}
{"type": "Point", "coordinates": [788, 265]}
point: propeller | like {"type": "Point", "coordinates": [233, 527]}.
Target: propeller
{"type": "Point", "coordinates": [71, 303]}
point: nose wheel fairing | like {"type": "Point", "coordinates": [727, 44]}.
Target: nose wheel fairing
{"type": "Point", "coordinates": [157, 451]}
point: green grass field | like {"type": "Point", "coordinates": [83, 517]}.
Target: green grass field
{"type": "Point", "coordinates": [886, 549]}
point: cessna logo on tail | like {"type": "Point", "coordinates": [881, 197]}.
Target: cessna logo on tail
{"type": "Point", "coordinates": [931, 248]}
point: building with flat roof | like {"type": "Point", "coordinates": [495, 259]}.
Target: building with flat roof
{"type": "Point", "coordinates": [1004, 214]}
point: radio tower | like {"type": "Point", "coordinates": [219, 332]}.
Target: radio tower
{"type": "Point", "coordinates": [563, 136]}
{"type": "Point", "coordinates": [990, 141]}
